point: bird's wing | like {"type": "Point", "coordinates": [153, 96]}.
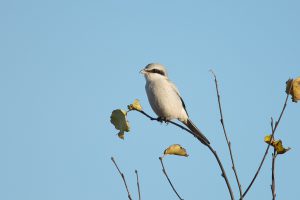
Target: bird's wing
{"type": "Point", "coordinates": [177, 92]}
{"type": "Point", "coordinates": [183, 104]}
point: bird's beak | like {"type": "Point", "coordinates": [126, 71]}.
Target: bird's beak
{"type": "Point", "coordinates": [142, 71]}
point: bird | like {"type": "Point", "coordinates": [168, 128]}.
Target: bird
{"type": "Point", "coordinates": [165, 99]}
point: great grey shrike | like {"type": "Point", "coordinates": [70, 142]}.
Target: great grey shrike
{"type": "Point", "coordinates": [165, 99]}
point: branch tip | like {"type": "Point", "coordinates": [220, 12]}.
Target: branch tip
{"type": "Point", "coordinates": [225, 134]}
{"type": "Point", "coordinates": [123, 177]}
{"type": "Point", "coordinates": [165, 173]}
{"type": "Point", "coordinates": [272, 136]}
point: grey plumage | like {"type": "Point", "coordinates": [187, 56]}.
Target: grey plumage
{"type": "Point", "coordinates": [165, 99]}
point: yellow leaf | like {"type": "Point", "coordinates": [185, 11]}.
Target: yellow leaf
{"type": "Point", "coordinates": [279, 148]}
{"type": "Point", "coordinates": [268, 139]}
{"type": "Point", "coordinates": [176, 149]}
{"type": "Point", "coordinates": [295, 88]}
{"type": "Point", "coordinates": [277, 144]}
{"type": "Point", "coordinates": [135, 105]}
{"type": "Point", "coordinates": [118, 119]}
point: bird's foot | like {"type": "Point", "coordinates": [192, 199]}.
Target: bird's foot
{"type": "Point", "coordinates": [159, 119]}
{"type": "Point", "coordinates": [162, 119]}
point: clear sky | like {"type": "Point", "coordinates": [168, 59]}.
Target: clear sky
{"type": "Point", "coordinates": [65, 65]}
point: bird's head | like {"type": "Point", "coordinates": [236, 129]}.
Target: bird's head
{"type": "Point", "coordinates": [154, 70]}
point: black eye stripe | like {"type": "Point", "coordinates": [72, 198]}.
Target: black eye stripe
{"type": "Point", "coordinates": [157, 71]}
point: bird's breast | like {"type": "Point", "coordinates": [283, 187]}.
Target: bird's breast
{"type": "Point", "coordinates": [164, 100]}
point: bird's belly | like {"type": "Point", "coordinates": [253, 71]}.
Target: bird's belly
{"type": "Point", "coordinates": [164, 101]}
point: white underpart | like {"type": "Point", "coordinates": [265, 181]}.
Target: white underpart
{"type": "Point", "coordinates": [164, 98]}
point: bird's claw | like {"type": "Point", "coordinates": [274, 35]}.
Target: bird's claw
{"type": "Point", "coordinates": [161, 120]}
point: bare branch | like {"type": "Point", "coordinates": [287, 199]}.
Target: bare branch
{"type": "Point", "coordinates": [123, 177]}
{"type": "Point", "coordinates": [272, 124]}
{"type": "Point", "coordinates": [223, 171]}
{"type": "Point", "coordinates": [273, 188]}
{"type": "Point", "coordinates": [164, 171]}
{"type": "Point", "coordinates": [175, 124]}
{"type": "Point", "coordinates": [138, 184]}
{"type": "Point", "coordinates": [208, 145]}
{"type": "Point", "coordinates": [272, 136]}
{"type": "Point", "coordinates": [274, 155]}
{"type": "Point", "coordinates": [226, 137]}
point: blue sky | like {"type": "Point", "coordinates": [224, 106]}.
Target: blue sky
{"type": "Point", "coordinates": [66, 65]}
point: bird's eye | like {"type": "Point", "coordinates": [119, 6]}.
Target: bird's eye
{"type": "Point", "coordinates": [158, 72]}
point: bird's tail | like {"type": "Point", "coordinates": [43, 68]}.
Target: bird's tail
{"type": "Point", "coordinates": [197, 132]}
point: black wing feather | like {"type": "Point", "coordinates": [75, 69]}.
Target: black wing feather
{"type": "Point", "coordinates": [183, 104]}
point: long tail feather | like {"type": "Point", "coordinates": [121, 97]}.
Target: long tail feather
{"type": "Point", "coordinates": [197, 132]}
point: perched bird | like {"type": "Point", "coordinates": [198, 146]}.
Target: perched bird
{"type": "Point", "coordinates": [165, 99]}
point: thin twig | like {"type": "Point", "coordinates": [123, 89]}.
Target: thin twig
{"type": "Point", "coordinates": [268, 147]}
{"type": "Point", "coordinates": [138, 184]}
{"type": "Point", "coordinates": [174, 123]}
{"type": "Point", "coordinates": [273, 188]}
{"type": "Point", "coordinates": [226, 137]}
{"type": "Point", "coordinates": [123, 177]}
{"type": "Point", "coordinates": [223, 171]}
{"type": "Point", "coordinates": [164, 171]}
{"type": "Point", "coordinates": [208, 145]}
{"type": "Point", "coordinates": [274, 155]}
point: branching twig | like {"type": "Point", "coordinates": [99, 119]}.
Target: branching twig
{"type": "Point", "coordinates": [164, 171]}
{"type": "Point", "coordinates": [123, 177]}
{"type": "Point", "coordinates": [209, 147]}
{"type": "Point", "coordinates": [138, 184]}
{"type": "Point", "coordinates": [268, 147]}
{"type": "Point", "coordinates": [226, 137]}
